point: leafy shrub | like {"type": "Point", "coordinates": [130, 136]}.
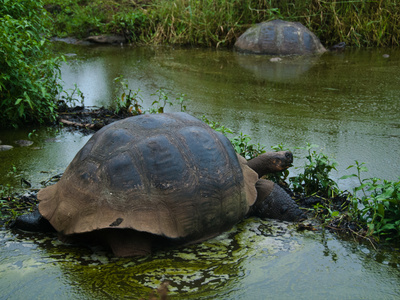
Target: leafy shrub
{"type": "Point", "coordinates": [132, 25]}
{"type": "Point", "coordinates": [379, 206]}
{"type": "Point", "coordinates": [28, 78]}
{"type": "Point", "coordinates": [315, 177]}
{"type": "Point", "coordinates": [242, 146]}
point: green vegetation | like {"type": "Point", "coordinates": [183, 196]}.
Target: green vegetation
{"type": "Point", "coordinates": [220, 22]}
{"type": "Point", "coordinates": [129, 103]}
{"type": "Point", "coordinates": [11, 205]}
{"type": "Point", "coordinates": [28, 78]}
{"type": "Point", "coordinates": [71, 97]}
{"type": "Point", "coordinates": [315, 176]}
{"type": "Point", "coordinates": [379, 206]}
{"type": "Point", "coordinates": [376, 215]}
{"type": "Point", "coordinates": [28, 81]}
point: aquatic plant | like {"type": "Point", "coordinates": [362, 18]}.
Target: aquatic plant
{"type": "Point", "coordinates": [241, 142]}
{"type": "Point", "coordinates": [130, 102]}
{"type": "Point", "coordinates": [71, 96]}
{"type": "Point", "coordinates": [163, 100]}
{"type": "Point", "coordinates": [379, 206]}
{"type": "Point", "coordinates": [12, 204]}
{"type": "Point", "coordinates": [315, 176]}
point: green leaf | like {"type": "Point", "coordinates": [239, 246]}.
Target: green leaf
{"type": "Point", "coordinates": [335, 214]}
{"type": "Point", "coordinates": [348, 176]}
{"type": "Point", "coordinates": [381, 210]}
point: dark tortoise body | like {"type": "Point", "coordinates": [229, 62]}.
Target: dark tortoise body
{"type": "Point", "coordinates": [166, 176]}
{"type": "Point", "coordinates": [279, 37]}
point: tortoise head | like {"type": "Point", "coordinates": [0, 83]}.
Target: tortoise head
{"type": "Point", "coordinates": [271, 162]}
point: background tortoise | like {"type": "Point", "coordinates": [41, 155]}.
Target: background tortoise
{"type": "Point", "coordinates": [166, 177]}
{"type": "Point", "coordinates": [279, 37]}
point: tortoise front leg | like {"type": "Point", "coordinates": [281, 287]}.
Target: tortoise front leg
{"type": "Point", "coordinates": [273, 202]}
{"type": "Point", "coordinates": [33, 222]}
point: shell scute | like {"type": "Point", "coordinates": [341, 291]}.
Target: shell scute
{"type": "Point", "coordinates": [110, 141]}
{"type": "Point", "coordinates": [164, 164]}
{"type": "Point", "coordinates": [121, 172]}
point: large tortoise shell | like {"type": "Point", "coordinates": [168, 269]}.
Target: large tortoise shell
{"type": "Point", "coordinates": [166, 174]}
{"type": "Point", "coordinates": [279, 37]}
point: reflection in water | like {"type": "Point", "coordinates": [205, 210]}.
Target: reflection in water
{"type": "Point", "coordinates": [211, 268]}
{"type": "Point", "coordinates": [93, 78]}
{"type": "Point", "coordinates": [255, 258]}
{"type": "Point", "coordinates": [347, 103]}
{"type": "Point", "coordinates": [285, 70]}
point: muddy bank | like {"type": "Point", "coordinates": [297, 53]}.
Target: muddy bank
{"type": "Point", "coordinates": [89, 120]}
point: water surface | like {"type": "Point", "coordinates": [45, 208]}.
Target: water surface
{"type": "Point", "coordinates": [347, 103]}
{"type": "Point", "coordinates": [256, 260]}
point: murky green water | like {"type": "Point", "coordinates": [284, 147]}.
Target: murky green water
{"type": "Point", "coordinates": [256, 260]}
{"type": "Point", "coordinates": [347, 103]}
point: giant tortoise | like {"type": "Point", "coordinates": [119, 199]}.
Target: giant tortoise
{"type": "Point", "coordinates": [159, 179]}
{"type": "Point", "coordinates": [279, 37]}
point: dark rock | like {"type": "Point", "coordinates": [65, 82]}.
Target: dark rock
{"type": "Point", "coordinates": [23, 143]}
{"type": "Point", "coordinates": [106, 39]}
{"type": "Point", "coordinates": [5, 147]}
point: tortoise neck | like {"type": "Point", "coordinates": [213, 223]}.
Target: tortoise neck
{"type": "Point", "coordinates": [262, 164]}
{"type": "Point", "coordinates": [271, 162]}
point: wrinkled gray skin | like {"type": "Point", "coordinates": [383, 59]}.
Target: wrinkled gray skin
{"type": "Point", "coordinates": [272, 201]}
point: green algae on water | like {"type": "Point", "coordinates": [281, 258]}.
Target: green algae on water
{"type": "Point", "coordinates": [194, 271]}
